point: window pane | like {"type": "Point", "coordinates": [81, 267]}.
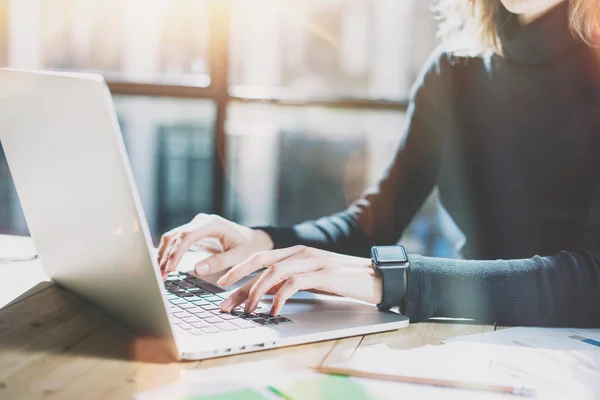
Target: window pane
{"type": "Point", "coordinates": [170, 146]}
{"type": "Point", "coordinates": [354, 48]}
{"type": "Point", "coordinates": [167, 42]}
{"type": "Point", "coordinates": [291, 164]}
{"type": "Point", "coordinates": [4, 32]}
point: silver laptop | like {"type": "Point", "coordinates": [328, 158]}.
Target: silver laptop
{"type": "Point", "coordinates": [67, 157]}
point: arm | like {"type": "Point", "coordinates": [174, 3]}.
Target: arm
{"type": "Point", "coordinates": [384, 211]}
{"type": "Point", "coordinates": [558, 290]}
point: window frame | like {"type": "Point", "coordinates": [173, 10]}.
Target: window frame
{"type": "Point", "coordinates": [222, 94]}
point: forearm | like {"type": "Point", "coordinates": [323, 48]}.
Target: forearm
{"type": "Point", "coordinates": [380, 216]}
{"type": "Point", "coordinates": [560, 290]}
{"type": "Point", "coordinates": [339, 233]}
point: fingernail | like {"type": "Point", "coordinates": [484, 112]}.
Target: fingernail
{"type": "Point", "coordinates": [225, 305]}
{"type": "Point", "coordinates": [201, 268]}
{"type": "Point", "coordinates": [222, 281]}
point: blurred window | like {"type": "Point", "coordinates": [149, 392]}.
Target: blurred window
{"type": "Point", "coordinates": [283, 164]}
{"type": "Point", "coordinates": [4, 32]}
{"type": "Point", "coordinates": [314, 161]}
{"type": "Point", "coordinates": [347, 48]}
{"type": "Point", "coordinates": [170, 146]}
{"type": "Point", "coordinates": [133, 40]}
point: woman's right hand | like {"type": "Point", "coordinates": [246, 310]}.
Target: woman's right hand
{"type": "Point", "coordinates": [237, 242]}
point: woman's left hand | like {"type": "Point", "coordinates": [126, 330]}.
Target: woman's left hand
{"type": "Point", "coordinates": [301, 268]}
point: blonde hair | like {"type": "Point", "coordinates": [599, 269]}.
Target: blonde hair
{"type": "Point", "coordinates": [481, 18]}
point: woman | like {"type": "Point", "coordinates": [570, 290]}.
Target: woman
{"type": "Point", "coordinates": [510, 136]}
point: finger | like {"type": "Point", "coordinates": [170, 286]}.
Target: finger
{"type": "Point", "coordinates": [280, 272]}
{"type": "Point", "coordinates": [166, 241]}
{"type": "Point", "coordinates": [275, 288]}
{"type": "Point", "coordinates": [221, 261]}
{"type": "Point", "coordinates": [237, 297]}
{"type": "Point", "coordinates": [167, 250]}
{"type": "Point", "coordinates": [258, 261]}
{"type": "Point", "coordinates": [185, 239]}
{"type": "Point", "coordinates": [162, 247]}
{"type": "Point", "coordinates": [173, 244]}
{"type": "Point", "coordinates": [309, 280]}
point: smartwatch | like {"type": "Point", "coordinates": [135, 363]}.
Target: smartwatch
{"type": "Point", "coordinates": [391, 262]}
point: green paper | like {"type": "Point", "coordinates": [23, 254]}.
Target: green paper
{"type": "Point", "coordinates": [327, 387]}
{"type": "Point", "coordinates": [242, 394]}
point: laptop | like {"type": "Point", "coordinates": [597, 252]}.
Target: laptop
{"type": "Point", "coordinates": [73, 178]}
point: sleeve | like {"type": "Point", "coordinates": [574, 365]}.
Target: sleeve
{"type": "Point", "coordinates": [557, 290]}
{"type": "Point", "coordinates": [383, 212]}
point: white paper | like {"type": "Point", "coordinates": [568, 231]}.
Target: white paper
{"type": "Point", "coordinates": [436, 362]}
{"type": "Point", "coordinates": [567, 358]}
{"type": "Point", "coordinates": [260, 374]}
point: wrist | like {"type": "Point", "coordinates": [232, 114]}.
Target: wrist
{"type": "Point", "coordinates": [263, 240]}
{"type": "Point", "coordinates": [377, 288]}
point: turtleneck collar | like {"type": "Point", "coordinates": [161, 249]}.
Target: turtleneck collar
{"type": "Point", "coordinates": [541, 41]}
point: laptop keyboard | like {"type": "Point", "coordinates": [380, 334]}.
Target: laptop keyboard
{"type": "Point", "coordinates": [196, 309]}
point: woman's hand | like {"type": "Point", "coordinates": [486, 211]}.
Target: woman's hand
{"type": "Point", "coordinates": [301, 268]}
{"type": "Point", "coordinates": [237, 243]}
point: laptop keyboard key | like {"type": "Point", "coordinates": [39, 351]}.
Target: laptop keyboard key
{"type": "Point", "coordinates": [211, 329]}
{"type": "Point", "coordinates": [196, 332]}
{"type": "Point", "coordinates": [200, 324]}
{"type": "Point", "coordinates": [279, 320]}
{"type": "Point", "coordinates": [181, 314]}
{"type": "Point", "coordinates": [191, 318]}
{"type": "Point", "coordinates": [178, 301]}
{"type": "Point", "coordinates": [244, 315]}
{"type": "Point", "coordinates": [226, 326]}
{"type": "Point", "coordinates": [186, 306]}
{"type": "Point", "coordinates": [199, 311]}
{"type": "Point", "coordinates": [201, 302]}
{"type": "Point", "coordinates": [264, 315]}
{"type": "Point", "coordinates": [213, 320]}
{"type": "Point", "coordinates": [261, 321]}
{"type": "Point", "coordinates": [242, 323]}
{"type": "Point", "coordinates": [184, 326]}
{"type": "Point", "coordinates": [227, 316]}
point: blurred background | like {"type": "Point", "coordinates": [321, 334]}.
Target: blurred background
{"type": "Point", "coordinates": [263, 111]}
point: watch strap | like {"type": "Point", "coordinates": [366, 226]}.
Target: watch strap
{"type": "Point", "coordinates": [391, 262]}
{"type": "Point", "coordinates": [394, 287]}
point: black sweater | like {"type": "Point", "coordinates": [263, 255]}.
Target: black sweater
{"type": "Point", "coordinates": [513, 144]}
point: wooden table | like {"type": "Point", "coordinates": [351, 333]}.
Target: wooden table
{"type": "Point", "coordinates": [55, 346]}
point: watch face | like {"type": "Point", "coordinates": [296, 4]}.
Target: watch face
{"type": "Point", "coordinates": [389, 255]}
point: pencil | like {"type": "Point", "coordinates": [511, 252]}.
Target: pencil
{"type": "Point", "coordinates": [516, 390]}
{"type": "Point", "coordinates": [279, 393]}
